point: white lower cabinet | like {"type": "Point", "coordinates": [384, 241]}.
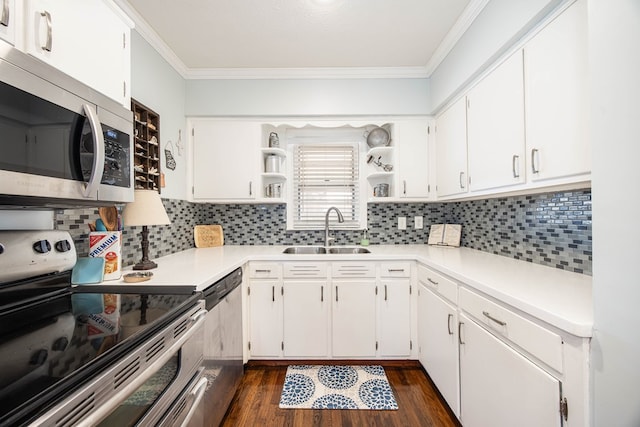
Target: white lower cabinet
{"type": "Point", "coordinates": [354, 319]}
{"type": "Point", "coordinates": [265, 318]}
{"type": "Point", "coordinates": [324, 310]}
{"type": "Point", "coordinates": [306, 319]}
{"type": "Point", "coordinates": [394, 318]}
{"type": "Point", "coordinates": [438, 344]}
{"type": "Point", "coordinates": [500, 387]}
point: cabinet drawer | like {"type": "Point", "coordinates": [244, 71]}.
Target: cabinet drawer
{"type": "Point", "coordinates": [395, 269]}
{"type": "Point", "coordinates": [438, 283]}
{"type": "Point", "coordinates": [539, 341]}
{"type": "Point", "coordinates": [263, 270]}
{"type": "Point", "coordinates": [305, 269]}
{"type": "Point", "coordinates": [353, 269]}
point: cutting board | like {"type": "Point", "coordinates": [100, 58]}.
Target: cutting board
{"type": "Point", "coordinates": [208, 236]}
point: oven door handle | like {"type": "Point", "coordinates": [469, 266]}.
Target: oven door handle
{"type": "Point", "coordinates": [97, 167]}
{"type": "Point", "coordinates": [196, 394]}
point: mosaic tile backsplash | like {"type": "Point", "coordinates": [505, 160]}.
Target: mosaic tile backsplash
{"type": "Point", "coordinates": [552, 229]}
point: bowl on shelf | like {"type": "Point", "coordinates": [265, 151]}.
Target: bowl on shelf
{"type": "Point", "coordinates": [377, 137]}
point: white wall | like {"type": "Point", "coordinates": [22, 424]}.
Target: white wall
{"type": "Point", "coordinates": [158, 86]}
{"type": "Point", "coordinates": [615, 70]}
{"type": "Point", "coordinates": [307, 97]}
{"type": "Point", "coordinates": [500, 24]}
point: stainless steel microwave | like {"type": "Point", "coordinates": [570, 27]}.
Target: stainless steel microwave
{"type": "Point", "coordinates": [62, 144]}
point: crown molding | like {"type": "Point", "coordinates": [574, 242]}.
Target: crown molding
{"type": "Point", "coordinates": [463, 23]}
{"type": "Point", "coordinates": [308, 73]}
{"type": "Point", "coordinates": [153, 38]}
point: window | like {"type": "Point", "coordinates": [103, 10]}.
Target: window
{"type": "Point", "coordinates": [326, 175]}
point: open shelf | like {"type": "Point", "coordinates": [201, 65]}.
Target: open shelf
{"type": "Point", "coordinates": [146, 147]}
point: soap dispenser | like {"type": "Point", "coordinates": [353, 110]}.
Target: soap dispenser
{"type": "Point", "coordinates": [365, 238]}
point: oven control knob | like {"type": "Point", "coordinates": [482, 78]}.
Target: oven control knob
{"type": "Point", "coordinates": [39, 357]}
{"type": "Point", "coordinates": [63, 246]}
{"type": "Point", "coordinates": [60, 344]}
{"type": "Point", "coordinates": [42, 246]}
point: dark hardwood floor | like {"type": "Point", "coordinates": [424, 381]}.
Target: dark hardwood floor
{"type": "Point", "coordinates": [256, 402]}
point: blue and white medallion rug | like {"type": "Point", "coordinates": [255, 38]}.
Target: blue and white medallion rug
{"type": "Point", "coordinates": [337, 387]}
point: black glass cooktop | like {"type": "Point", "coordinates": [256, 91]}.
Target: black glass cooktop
{"type": "Point", "coordinates": [53, 338]}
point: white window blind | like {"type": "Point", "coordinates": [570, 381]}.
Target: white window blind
{"type": "Point", "coordinates": [324, 176]}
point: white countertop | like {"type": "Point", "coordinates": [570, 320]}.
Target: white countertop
{"type": "Point", "coordinates": [560, 298]}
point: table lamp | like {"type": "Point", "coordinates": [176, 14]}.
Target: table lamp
{"type": "Point", "coordinates": [146, 209]}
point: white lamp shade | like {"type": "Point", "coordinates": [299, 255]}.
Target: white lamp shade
{"type": "Point", "coordinates": [146, 209]}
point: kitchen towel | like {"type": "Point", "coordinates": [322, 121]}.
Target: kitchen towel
{"type": "Point", "coordinates": [88, 270]}
{"type": "Point", "coordinates": [337, 387]}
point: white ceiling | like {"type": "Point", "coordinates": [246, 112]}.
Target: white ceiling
{"type": "Point", "coordinates": [243, 37]}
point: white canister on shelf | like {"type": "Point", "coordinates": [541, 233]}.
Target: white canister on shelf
{"type": "Point", "coordinates": [272, 164]}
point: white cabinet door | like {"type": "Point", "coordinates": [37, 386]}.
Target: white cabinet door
{"type": "Point", "coordinates": [225, 159]}
{"type": "Point", "coordinates": [412, 147]}
{"type": "Point", "coordinates": [85, 39]}
{"type": "Point", "coordinates": [451, 150]}
{"type": "Point", "coordinates": [394, 318]}
{"type": "Point", "coordinates": [438, 343]}
{"type": "Point", "coordinates": [8, 16]}
{"type": "Point", "coordinates": [306, 319]}
{"type": "Point", "coordinates": [354, 319]}
{"type": "Point", "coordinates": [495, 128]}
{"type": "Point", "coordinates": [265, 318]}
{"type": "Point", "coordinates": [556, 93]}
{"type": "Point", "coordinates": [499, 387]}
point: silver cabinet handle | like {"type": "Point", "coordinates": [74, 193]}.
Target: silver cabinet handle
{"type": "Point", "coordinates": [516, 161]}
{"type": "Point", "coordinates": [404, 187]}
{"type": "Point", "coordinates": [251, 188]}
{"type": "Point", "coordinates": [273, 293]}
{"type": "Point", "coordinates": [336, 294]}
{"type": "Point", "coordinates": [490, 317]}
{"type": "Point", "coordinates": [4, 20]}
{"type": "Point", "coordinates": [534, 165]}
{"type": "Point", "coordinates": [97, 168]}
{"type": "Point", "coordinates": [263, 271]}
{"type": "Point", "coordinates": [460, 179]}
{"type": "Point", "coordinates": [321, 293]}
{"type": "Point", "coordinates": [449, 319]}
{"type": "Point", "coordinates": [460, 324]}
{"type": "Point", "coordinates": [47, 17]}
{"type": "Point", "coordinates": [433, 282]}
{"type": "Point", "coordinates": [396, 270]}
{"type": "Point", "coordinates": [385, 292]}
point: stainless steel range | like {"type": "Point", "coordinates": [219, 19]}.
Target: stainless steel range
{"type": "Point", "coordinates": [76, 358]}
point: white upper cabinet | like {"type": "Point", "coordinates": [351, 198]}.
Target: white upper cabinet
{"type": "Point", "coordinates": [226, 159]}
{"type": "Point", "coordinates": [495, 128]}
{"type": "Point", "coordinates": [413, 158]}
{"type": "Point", "coordinates": [556, 94]}
{"type": "Point", "coordinates": [451, 150]}
{"type": "Point", "coordinates": [86, 39]}
{"type": "Point", "coordinates": [8, 16]}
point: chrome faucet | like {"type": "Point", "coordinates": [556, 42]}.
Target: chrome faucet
{"type": "Point", "coordinates": [327, 238]}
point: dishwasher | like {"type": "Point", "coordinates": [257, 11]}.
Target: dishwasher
{"type": "Point", "coordinates": [222, 365]}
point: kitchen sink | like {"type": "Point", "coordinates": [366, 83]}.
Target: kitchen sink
{"type": "Point", "coordinates": [348, 250]}
{"type": "Point", "coordinates": [311, 250]}
{"type": "Point", "coordinates": [305, 250]}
